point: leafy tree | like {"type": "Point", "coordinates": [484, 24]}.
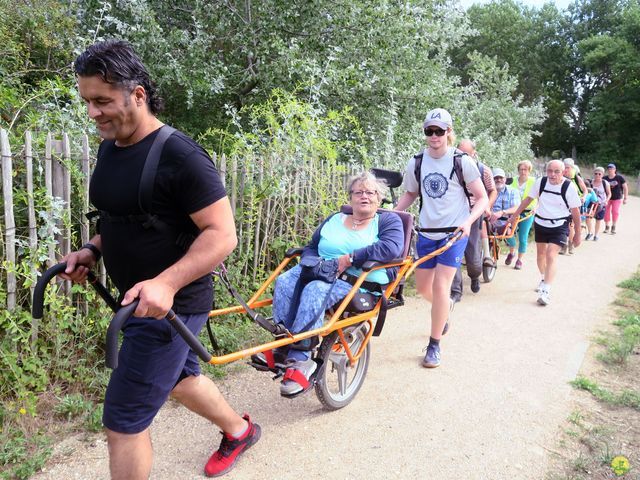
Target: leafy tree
{"type": "Point", "coordinates": [611, 130]}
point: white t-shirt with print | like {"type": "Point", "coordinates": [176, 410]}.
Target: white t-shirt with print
{"type": "Point", "coordinates": [444, 202]}
{"type": "Point", "coordinates": [553, 206]}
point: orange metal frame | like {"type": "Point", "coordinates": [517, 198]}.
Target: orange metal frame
{"type": "Point", "coordinates": [335, 322]}
{"type": "Point", "coordinates": [509, 232]}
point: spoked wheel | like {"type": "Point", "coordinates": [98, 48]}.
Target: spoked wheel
{"type": "Point", "coordinates": [337, 382]}
{"type": "Point", "coordinates": [489, 267]}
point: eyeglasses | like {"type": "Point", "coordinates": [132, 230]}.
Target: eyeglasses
{"type": "Point", "coordinates": [438, 132]}
{"type": "Point", "coordinates": [598, 173]}
{"type": "Point", "coordinates": [362, 193]}
{"type": "Point", "coordinates": [557, 172]}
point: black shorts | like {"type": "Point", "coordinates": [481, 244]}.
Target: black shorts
{"type": "Point", "coordinates": [600, 212]}
{"type": "Point", "coordinates": [557, 235]}
{"type": "Point", "coordinates": [152, 360]}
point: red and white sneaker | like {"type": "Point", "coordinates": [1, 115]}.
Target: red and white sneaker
{"type": "Point", "coordinates": [225, 458]}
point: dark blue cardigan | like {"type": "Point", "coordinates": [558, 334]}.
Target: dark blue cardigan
{"type": "Point", "coordinates": [387, 248]}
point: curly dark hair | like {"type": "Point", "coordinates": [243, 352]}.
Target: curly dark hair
{"type": "Point", "coordinates": [116, 62]}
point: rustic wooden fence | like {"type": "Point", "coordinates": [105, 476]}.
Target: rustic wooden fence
{"type": "Point", "coordinates": [277, 202]}
{"type": "Point", "coordinates": [53, 175]}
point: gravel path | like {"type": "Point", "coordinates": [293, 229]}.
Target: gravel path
{"type": "Point", "coordinates": [487, 413]}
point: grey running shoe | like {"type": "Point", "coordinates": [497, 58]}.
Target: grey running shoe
{"type": "Point", "coordinates": [606, 229]}
{"type": "Point", "coordinates": [589, 236]}
{"type": "Point", "coordinates": [613, 229]}
{"type": "Point", "coordinates": [294, 383]}
{"type": "Point", "coordinates": [571, 249]}
{"type": "Point", "coordinates": [432, 357]}
{"type": "Point", "coordinates": [595, 238]}
{"type": "Point", "coordinates": [539, 287]}
{"type": "Point", "coordinates": [544, 298]}
{"type": "Point", "coordinates": [564, 249]}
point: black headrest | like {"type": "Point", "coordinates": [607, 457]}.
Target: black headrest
{"type": "Point", "coordinates": [391, 178]}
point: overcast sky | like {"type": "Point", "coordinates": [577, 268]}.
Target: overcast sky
{"type": "Point", "coordinates": [561, 4]}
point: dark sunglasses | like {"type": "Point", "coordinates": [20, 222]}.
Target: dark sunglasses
{"type": "Point", "coordinates": [438, 132]}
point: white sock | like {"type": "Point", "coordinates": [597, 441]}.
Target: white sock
{"type": "Point", "coordinates": [240, 433]}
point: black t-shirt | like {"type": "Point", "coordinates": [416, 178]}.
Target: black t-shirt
{"type": "Point", "coordinates": [616, 186]}
{"type": "Point", "coordinates": [186, 181]}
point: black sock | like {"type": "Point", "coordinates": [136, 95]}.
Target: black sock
{"type": "Point", "coordinates": [433, 341]}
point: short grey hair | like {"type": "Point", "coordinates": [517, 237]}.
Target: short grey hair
{"type": "Point", "coordinates": [369, 179]}
{"type": "Point", "coordinates": [599, 169]}
{"type": "Point", "coordinates": [467, 140]}
{"type": "Point", "coordinates": [548, 164]}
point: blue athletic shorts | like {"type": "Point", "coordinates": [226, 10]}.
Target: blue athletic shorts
{"type": "Point", "coordinates": [451, 257]}
{"type": "Point", "coordinates": [152, 360]}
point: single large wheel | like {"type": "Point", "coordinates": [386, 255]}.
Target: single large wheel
{"type": "Point", "coordinates": [337, 382]}
{"type": "Point", "coordinates": [489, 267]}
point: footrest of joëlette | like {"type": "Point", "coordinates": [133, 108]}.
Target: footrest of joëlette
{"type": "Point", "coordinates": [363, 302]}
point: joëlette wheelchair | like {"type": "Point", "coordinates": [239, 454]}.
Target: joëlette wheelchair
{"type": "Point", "coordinates": [490, 258]}
{"type": "Point", "coordinates": [342, 351]}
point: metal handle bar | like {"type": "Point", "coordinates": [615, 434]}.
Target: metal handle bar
{"type": "Point", "coordinates": [125, 312]}
{"type": "Point", "coordinates": [37, 305]}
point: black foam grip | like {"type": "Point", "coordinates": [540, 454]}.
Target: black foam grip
{"type": "Point", "coordinates": [37, 306]}
{"type": "Point", "coordinates": [188, 337]}
{"type": "Point", "coordinates": [111, 348]}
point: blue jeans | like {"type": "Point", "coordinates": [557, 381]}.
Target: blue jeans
{"type": "Point", "coordinates": [312, 304]}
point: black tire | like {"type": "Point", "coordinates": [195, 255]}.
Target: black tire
{"type": "Point", "coordinates": [337, 382]}
{"type": "Point", "coordinates": [489, 268]}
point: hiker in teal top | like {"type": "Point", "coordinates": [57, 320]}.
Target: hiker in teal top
{"type": "Point", "coordinates": [525, 182]}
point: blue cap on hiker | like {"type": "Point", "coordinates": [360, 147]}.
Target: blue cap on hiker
{"type": "Point", "coordinates": [611, 165]}
{"type": "Point", "coordinates": [438, 117]}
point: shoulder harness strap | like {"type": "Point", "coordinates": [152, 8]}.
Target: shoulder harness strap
{"type": "Point", "coordinates": [457, 168]}
{"type": "Point", "coordinates": [148, 177]}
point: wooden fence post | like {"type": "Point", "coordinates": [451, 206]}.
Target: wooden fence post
{"type": "Point", "coordinates": [48, 182]}
{"type": "Point", "coordinates": [9, 221]}
{"type": "Point", "coordinates": [33, 228]}
{"type": "Point", "coordinates": [234, 183]}
{"type": "Point", "coordinates": [84, 222]}
{"type": "Point", "coordinates": [222, 169]}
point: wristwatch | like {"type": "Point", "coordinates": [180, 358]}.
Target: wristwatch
{"type": "Point", "coordinates": [96, 253]}
{"type": "Point", "coordinates": [351, 258]}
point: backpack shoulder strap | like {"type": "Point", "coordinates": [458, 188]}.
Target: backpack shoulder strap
{"type": "Point", "coordinates": [457, 168]}
{"type": "Point", "coordinates": [417, 166]}
{"type": "Point", "coordinates": [148, 177]}
{"type": "Point", "coordinates": [563, 192]}
{"type": "Point", "coordinates": [416, 172]}
{"type": "Point", "coordinates": [543, 183]}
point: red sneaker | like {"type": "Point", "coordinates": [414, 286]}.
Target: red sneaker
{"type": "Point", "coordinates": [225, 458]}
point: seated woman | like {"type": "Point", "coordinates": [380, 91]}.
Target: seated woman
{"type": "Point", "coordinates": [350, 241]}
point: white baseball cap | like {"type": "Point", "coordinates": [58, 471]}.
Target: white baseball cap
{"type": "Point", "coordinates": [498, 172]}
{"type": "Point", "coordinates": [438, 117]}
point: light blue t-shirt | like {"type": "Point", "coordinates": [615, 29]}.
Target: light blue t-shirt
{"type": "Point", "coordinates": [337, 240]}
